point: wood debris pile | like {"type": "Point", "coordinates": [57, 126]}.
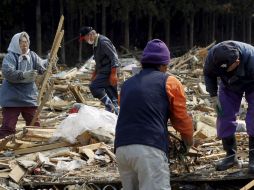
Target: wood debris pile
{"type": "Point", "coordinates": [30, 158]}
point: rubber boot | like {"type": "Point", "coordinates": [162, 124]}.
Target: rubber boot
{"type": "Point", "coordinates": [109, 106]}
{"type": "Point", "coordinates": [229, 145]}
{"type": "Point", "coordinates": [115, 103]}
{"type": "Point", "coordinates": [251, 155]}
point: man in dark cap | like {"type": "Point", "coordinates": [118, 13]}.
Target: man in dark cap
{"type": "Point", "coordinates": [233, 62]}
{"type": "Point", "coordinates": [104, 78]}
{"type": "Point", "coordinates": [148, 100]}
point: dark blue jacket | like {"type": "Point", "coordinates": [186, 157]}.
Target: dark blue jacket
{"type": "Point", "coordinates": [240, 80]}
{"type": "Point", "coordinates": [105, 55]}
{"type": "Point", "coordinates": [144, 111]}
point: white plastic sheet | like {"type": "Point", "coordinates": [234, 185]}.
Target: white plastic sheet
{"type": "Point", "coordinates": [88, 118]}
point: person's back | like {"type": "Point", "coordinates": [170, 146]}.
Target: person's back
{"type": "Point", "coordinates": [144, 110]}
{"type": "Point", "coordinates": [147, 101]}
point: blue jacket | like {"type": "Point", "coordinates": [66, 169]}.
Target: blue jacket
{"type": "Point", "coordinates": [240, 80]}
{"type": "Point", "coordinates": [144, 111]}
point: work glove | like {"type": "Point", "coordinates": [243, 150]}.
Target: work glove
{"type": "Point", "coordinates": [217, 105]}
{"type": "Point", "coordinates": [29, 76]}
{"type": "Point", "coordinates": [185, 146]}
{"type": "Point", "coordinates": [54, 70]}
{"type": "Point", "coordinates": [113, 77]}
{"type": "Point", "coordinates": [93, 76]}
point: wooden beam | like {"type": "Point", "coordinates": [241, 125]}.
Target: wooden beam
{"type": "Point", "coordinates": [52, 60]}
{"type": "Point", "coordinates": [45, 99]}
{"type": "Point", "coordinates": [40, 148]}
{"type": "Point", "coordinates": [248, 186]}
{"type": "Point", "coordinates": [90, 146]}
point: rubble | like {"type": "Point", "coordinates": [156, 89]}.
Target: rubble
{"type": "Point", "coordinates": [34, 158]}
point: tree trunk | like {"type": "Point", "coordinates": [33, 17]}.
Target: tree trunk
{"type": "Point", "coordinates": [126, 31]}
{"type": "Point", "coordinates": [38, 28]}
{"type": "Point", "coordinates": [213, 27]}
{"type": "Point", "coordinates": [63, 40]}
{"type": "Point", "coordinates": [205, 22]}
{"type": "Point", "coordinates": [103, 15]}
{"type": "Point", "coordinates": [81, 21]}
{"type": "Point", "coordinates": [232, 27]}
{"type": "Point", "coordinates": [95, 19]}
{"type": "Point", "coordinates": [150, 23]}
{"type": "Point", "coordinates": [227, 29]}
{"type": "Point", "coordinates": [222, 27]}
{"type": "Point", "coordinates": [249, 25]}
{"type": "Point", "coordinates": [167, 31]}
{"type": "Point", "coordinates": [185, 34]}
{"type": "Point", "coordinates": [244, 28]}
{"type": "Point", "coordinates": [191, 31]}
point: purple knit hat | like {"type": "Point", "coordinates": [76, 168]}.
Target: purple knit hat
{"type": "Point", "coordinates": [156, 52]}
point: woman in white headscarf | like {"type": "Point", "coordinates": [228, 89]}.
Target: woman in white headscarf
{"type": "Point", "coordinates": [18, 93]}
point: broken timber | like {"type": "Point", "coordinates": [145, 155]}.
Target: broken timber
{"type": "Point", "coordinates": [52, 60]}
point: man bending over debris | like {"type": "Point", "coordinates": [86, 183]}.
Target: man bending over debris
{"type": "Point", "coordinates": [233, 62]}
{"type": "Point", "coordinates": [148, 100]}
{"type": "Point", "coordinates": [18, 93]}
{"type": "Point", "coordinates": [104, 78]}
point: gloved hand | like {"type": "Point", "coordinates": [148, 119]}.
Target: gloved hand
{"type": "Point", "coordinates": [29, 76]}
{"type": "Point", "coordinates": [54, 70]}
{"type": "Point", "coordinates": [93, 76]}
{"type": "Point", "coordinates": [217, 105]}
{"type": "Point", "coordinates": [113, 77]}
{"type": "Point", "coordinates": [185, 147]}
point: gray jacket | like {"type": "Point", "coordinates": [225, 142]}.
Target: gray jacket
{"type": "Point", "coordinates": [105, 55]}
{"type": "Point", "coordinates": [14, 92]}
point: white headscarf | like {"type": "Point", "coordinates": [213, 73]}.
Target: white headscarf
{"type": "Point", "coordinates": [15, 47]}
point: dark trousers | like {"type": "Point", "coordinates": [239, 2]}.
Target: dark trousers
{"type": "Point", "coordinates": [100, 87]}
{"type": "Point", "coordinates": [230, 103]}
{"type": "Point", "coordinates": [10, 118]}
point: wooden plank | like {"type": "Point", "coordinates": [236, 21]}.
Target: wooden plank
{"type": "Point", "coordinates": [17, 173]}
{"type": "Point", "coordinates": [248, 186]}
{"type": "Point", "coordinates": [4, 165]}
{"type": "Point", "coordinates": [90, 146]}
{"type": "Point", "coordinates": [53, 56]}
{"type": "Point", "coordinates": [46, 96]}
{"type": "Point", "coordinates": [4, 175]}
{"type": "Point", "coordinates": [111, 154]}
{"type": "Point", "coordinates": [40, 148]}
{"type": "Point", "coordinates": [213, 156]}
{"type": "Point", "coordinates": [75, 90]}
{"type": "Point", "coordinates": [89, 153]}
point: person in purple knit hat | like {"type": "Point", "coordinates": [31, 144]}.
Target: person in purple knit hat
{"type": "Point", "coordinates": [233, 63]}
{"type": "Point", "coordinates": [148, 100]}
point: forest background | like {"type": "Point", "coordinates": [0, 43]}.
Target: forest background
{"type": "Point", "coordinates": [181, 24]}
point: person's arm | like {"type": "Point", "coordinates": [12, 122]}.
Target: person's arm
{"type": "Point", "coordinates": [210, 76]}
{"type": "Point", "coordinates": [40, 64]}
{"type": "Point", "coordinates": [110, 51]}
{"type": "Point", "coordinates": [180, 119]}
{"type": "Point", "coordinates": [10, 73]}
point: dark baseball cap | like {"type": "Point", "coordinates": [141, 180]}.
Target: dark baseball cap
{"type": "Point", "coordinates": [225, 53]}
{"type": "Point", "coordinates": [85, 30]}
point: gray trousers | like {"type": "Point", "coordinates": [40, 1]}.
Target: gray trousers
{"type": "Point", "coordinates": [143, 168]}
